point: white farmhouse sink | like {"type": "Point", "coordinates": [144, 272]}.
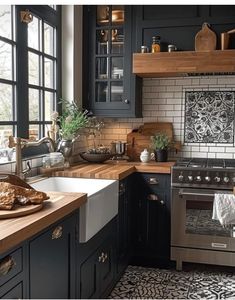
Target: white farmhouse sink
{"type": "Point", "coordinates": [101, 205]}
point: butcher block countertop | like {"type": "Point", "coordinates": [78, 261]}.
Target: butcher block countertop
{"type": "Point", "coordinates": [114, 169]}
{"type": "Point", "coordinates": [15, 230]}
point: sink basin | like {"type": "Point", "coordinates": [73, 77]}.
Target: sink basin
{"type": "Point", "coordinates": [101, 205]}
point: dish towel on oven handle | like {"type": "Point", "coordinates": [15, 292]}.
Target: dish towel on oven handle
{"type": "Point", "coordinates": [224, 208]}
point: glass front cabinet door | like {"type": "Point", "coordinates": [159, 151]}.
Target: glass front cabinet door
{"type": "Point", "coordinates": [110, 60]}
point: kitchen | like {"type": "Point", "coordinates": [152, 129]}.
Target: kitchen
{"type": "Point", "coordinates": [151, 99]}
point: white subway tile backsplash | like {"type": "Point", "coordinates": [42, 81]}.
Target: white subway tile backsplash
{"type": "Point", "coordinates": [216, 149]}
{"type": "Point", "coordinates": [224, 155]}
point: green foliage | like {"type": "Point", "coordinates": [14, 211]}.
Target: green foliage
{"type": "Point", "coordinates": [160, 141]}
{"type": "Point", "coordinates": [72, 120]}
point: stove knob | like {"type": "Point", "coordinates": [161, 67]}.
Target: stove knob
{"type": "Point", "coordinates": [181, 177]}
{"type": "Point", "coordinates": [207, 178]}
{"type": "Point", "coordinates": [198, 178]}
{"type": "Point", "coordinates": [190, 178]}
{"type": "Point", "coordinates": [226, 179]}
{"type": "Point", "coordinates": [217, 179]}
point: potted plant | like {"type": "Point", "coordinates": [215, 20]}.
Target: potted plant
{"type": "Point", "coordinates": [70, 122]}
{"type": "Point", "coordinates": [160, 145]}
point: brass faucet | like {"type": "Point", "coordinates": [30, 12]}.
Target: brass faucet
{"type": "Point", "coordinates": [19, 144]}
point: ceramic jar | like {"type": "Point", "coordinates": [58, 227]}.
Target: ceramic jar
{"type": "Point", "coordinates": [145, 156]}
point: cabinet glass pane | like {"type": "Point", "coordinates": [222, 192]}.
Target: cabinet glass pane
{"type": "Point", "coordinates": [5, 131]}
{"type": "Point", "coordinates": [49, 72]}
{"type": "Point", "coordinates": [33, 105]}
{"type": "Point", "coordinates": [116, 91]}
{"type": "Point", "coordinates": [117, 67]}
{"type": "Point", "coordinates": [33, 68]}
{"type": "Point", "coordinates": [101, 68]}
{"type": "Point", "coordinates": [101, 91]}
{"type": "Point", "coordinates": [49, 104]}
{"type": "Point", "coordinates": [5, 21]}
{"type": "Point", "coordinates": [6, 107]}
{"type": "Point", "coordinates": [102, 15]}
{"type": "Point", "coordinates": [5, 61]}
{"type": "Point", "coordinates": [34, 34]}
{"type": "Point", "coordinates": [117, 14]}
{"type": "Point", "coordinates": [102, 43]}
{"type": "Point", "coordinates": [33, 132]}
{"type": "Point", "coordinates": [117, 41]}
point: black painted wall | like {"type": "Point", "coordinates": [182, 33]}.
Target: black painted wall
{"type": "Point", "coordinates": [178, 24]}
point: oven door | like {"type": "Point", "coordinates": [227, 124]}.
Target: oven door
{"type": "Point", "coordinates": [192, 224]}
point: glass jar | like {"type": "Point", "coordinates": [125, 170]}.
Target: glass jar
{"type": "Point", "coordinates": [156, 44]}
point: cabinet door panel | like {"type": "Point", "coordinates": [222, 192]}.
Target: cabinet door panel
{"type": "Point", "coordinates": [88, 278]}
{"type": "Point", "coordinates": [15, 292]}
{"type": "Point", "coordinates": [49, 263]}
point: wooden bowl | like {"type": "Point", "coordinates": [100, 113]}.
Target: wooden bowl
{"type": "Point", "coordinates": [95, 157]}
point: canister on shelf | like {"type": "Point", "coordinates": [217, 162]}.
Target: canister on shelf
{"type": "Point", "coordinates": [156, 44]}
{"type": "Point", "coordinates": [171, 48]}
{"type": "Point", "coordinates": [144, 49]}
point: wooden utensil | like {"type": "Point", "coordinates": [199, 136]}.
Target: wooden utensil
{"type": "Point", "coordinates": [225, 39]}
{"type": "Point", "coordinates": [205, 39]}
{"type": "Point", "coordinates": [20, 211]}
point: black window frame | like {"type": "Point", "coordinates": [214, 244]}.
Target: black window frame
{"type": "Point", "coordinates": [52, 17]}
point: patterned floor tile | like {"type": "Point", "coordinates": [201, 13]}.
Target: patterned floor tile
{"type": "Point", "coordinates": [153, 283]}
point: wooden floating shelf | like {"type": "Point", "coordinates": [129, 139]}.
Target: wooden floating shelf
{"type": "Point", "coordinates": [181, 63]}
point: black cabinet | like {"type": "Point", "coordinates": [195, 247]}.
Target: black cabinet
{"type": "Point", "coordinates": [150, 220]}
{"type": "Point", "coordinates": [96, 263]}
{"type": "Point", "coordinates": [123, 226]}
{"type": "Point", "coordinates": [51, 261]}
{"type": "Point", "coordinates": [110, 88]}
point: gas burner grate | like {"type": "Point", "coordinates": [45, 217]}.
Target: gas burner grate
{"type": "Point", "coordinates": [230, 163]}
{"type": "Point", "coordinates": [215, 163]}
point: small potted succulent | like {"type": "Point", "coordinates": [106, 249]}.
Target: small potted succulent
{"type": "Point", "coordinates": [160, 145]}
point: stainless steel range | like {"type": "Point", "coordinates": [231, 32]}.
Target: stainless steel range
{"type": "Point", "coordinates": [195, 236]}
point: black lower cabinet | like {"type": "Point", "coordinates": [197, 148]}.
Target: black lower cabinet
{"type": "Point", "coordinates": [123, 226]}
{"type": "Point", "coordinates": [96, 263]}
{"type": "Point", "coordinates": [150, 220]}
{"type": "Point", "coordinates": [51, 262]}
{"type": "Point", "coordinates": [12, 290]}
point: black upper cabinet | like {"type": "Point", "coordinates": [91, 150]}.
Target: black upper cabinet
{"type": "Point", "coordinates": [110, 89]}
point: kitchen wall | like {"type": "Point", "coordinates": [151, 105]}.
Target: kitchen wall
{"type": "Point", "coordinates": [163, 101]}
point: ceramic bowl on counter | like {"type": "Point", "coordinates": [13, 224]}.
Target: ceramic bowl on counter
{"type": "Point", "coordinates": [95, 157]}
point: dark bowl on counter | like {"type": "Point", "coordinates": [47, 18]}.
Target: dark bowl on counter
{"type": "Point", "coordinates": [95, 157]}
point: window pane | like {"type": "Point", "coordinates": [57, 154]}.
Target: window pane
{"type": "Point", "coordinates": [33, 68]}
{"type": "Point", "coordinates": [5, 60]}
{"type": "Point", "coordinates": [101, 91]}
{"type": "Point", "coordinates": [6, 109]}
{"type": "Point", "coordinates": [5, 131]}
{"type": "Point", "coordinates": [116, 91]}
{"type": "Point", "coordinates": [49, 74]}
{"type": "Point", "coordinates": [33, 105]}
{"type": "Point", "coordinates": [49, 105]}
{"type": "Point", "coordinates": [34, 33]}
{"type": "Point", "coordinates": [101, 68]}
{"type": "Point", "coordinates": [117, 67]}
{"type": "Point", "coordinates": [49, 39]}
{"type": "Point", "coordinates": [33, 132]}
{"type": "Point", "coordinates": [5, 21]}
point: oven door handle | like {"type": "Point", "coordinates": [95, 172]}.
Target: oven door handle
{"type": "Point", "coordinates": [182, 193]}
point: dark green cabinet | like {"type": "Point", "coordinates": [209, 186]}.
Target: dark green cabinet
{"type": "Point", "coordinates": [96, 263]}
{"type": "Point", "coordinates": [51, 261]}
{"type": "Point", "coordinates": [110, 88]}
{"type": "Point", "coordinates": [123, 226]}
{"type": "Point", "coordinates": [151, 220]}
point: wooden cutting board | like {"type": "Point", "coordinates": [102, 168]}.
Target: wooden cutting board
{"type": "Point", "coordinates": [205, 39]}
{"type": "Point", "coordinates": [20, 211]}
{"type": "Point", "coordinates": [138, 141]}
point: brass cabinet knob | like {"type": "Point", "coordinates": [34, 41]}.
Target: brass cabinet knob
{"type": "Point", "coordinates": [6, 265]}
{"type": "Point", "coordinates": [57, 233]}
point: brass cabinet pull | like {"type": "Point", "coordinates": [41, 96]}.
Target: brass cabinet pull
{"type": "Point", "coordinates": [6, 265]}
{"type": "Point", "coordinates": [102, 258]}
{"type": "Point", "coordinates": [152, 197]}
{"type": "Point", "coordinates": [153, 180]}
{"type": "Point", "coordinates": [57, 233]}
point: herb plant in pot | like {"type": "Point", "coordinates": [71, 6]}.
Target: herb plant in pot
{"type": "Point", "coordinates": [160, 145]}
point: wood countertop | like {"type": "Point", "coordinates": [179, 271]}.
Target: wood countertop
{"type": "Point", "coordinates": [15, 230]}
{"type": "Point", "coordinates": [114, 169]}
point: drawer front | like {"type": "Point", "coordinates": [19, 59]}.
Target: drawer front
{"type": "Point", "coordinates": [12, 292]}
{"type": "Point", "coordinates": [10, 265]}
{"type": "Point", "coordinates": [154, 181]}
